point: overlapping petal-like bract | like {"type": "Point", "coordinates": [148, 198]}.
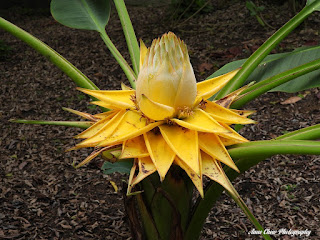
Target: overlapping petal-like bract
{"type": "Point", "coordinates": [166, 81]}
{"type": "Point", "coordinates": [168, 119]}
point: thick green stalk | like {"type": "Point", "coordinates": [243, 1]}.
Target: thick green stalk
{"type": "Point", "coordinates": [249, 158]}
{"type": "Point", "coordinates": [147, 220]}
{"type": "Point", "coordinates": [167, 202]}
{"type": "Point", "coordinates": [78, 124]}
{"type": "Point", "coordinates": [129, 34]}
{"type": "Point", "coordinates": [70, 70]}
{"type": "Point", "coordinates": [272, 147]}
{"type": "Point", "coordinates": [253, 61]}
{"type": "Point", "coordinates": [259, 88]}
{"type": "Point", "coordinates": [117, 55]}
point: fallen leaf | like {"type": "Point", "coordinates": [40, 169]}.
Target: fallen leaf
{"type": "Point", "coordinates": [114, 185]}
{"type": "Point", "coordinates": [205, 66]}
{"type": "Point", "coordinates": [291, 100]}
{"type": "Point", "coordinates": [235, 50]}
{"type": "Point", "coordinates": [93, 226]}
{"type": "Point", "coordinates": [65, 226]}
{"type": "Point", "coordinates": [282, 203]}
{"type": "Point", "coordinates": [98, 74]}
{"type": "Point", "coordinates": [311, 43]}
{"type": "Point", "coordinates": [22, 165]}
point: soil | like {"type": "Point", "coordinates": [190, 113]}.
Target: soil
{"type": "Point", "coordinates": [43, 197]}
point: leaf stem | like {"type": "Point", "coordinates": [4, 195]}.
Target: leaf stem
{"type": "Point", "coordinates": [70, 70]}
{"type": "Point", "coordinates": [117, 55]}
{"type": "Point", "coordinates": [308, 133]}
{"type": "Point", "coordinates": [129, 34]}
{"type": "Point", "coordinates": [254, 60]}
{"type": "Point", "coordinates": [79, 124]}
{"type": "Point", "coordinates": [259, 88]}
{"type": "Point", "coordinates": [247, 211]}
{"type": "Point", "coordinates": [272, 147]}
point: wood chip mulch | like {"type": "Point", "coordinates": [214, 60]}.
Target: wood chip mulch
{"type": "Point", "coordinates": [43, 197]}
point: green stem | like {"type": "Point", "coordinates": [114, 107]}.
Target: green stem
{"type": "Point", "coordinates": [70, 70]}
{"type": "Point", "coordinates": [272, 147]}
{"type": "Point", "coordinates": [129, 34]}
{"type": "Point", "coordinates": [78, 124]}
{"type": "Point", "coordinates": [253, 61]}
{"type": "Point", "coordinates": [117, 55]}
{"type": "Point", "coordinates": [308, 133]}
{"type": "Point", "coordinates": [248, 213]}
{"type": "Point", "coordinates": [259, 88]}
{"type": "Point", "coordinates": [266, 149]}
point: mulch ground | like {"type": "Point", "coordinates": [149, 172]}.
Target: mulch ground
{"type": "Point", "coordinates": [43, 197]}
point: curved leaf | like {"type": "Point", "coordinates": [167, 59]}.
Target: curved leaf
{"type": "Point", "coordinates": [277, 63]}
{"type": "Point", "coordinates": [82, 14]}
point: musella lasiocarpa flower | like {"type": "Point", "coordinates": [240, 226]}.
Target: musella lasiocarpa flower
{"type": "Point", "coordinates": [168, 119]}
{"type": "Point", "coordinates": [166, 83]}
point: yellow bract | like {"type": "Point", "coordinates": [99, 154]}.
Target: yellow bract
{"type": "Point", "coordinates": [168, 119]}
{"type": "Point", "coordinates": [154, 110]}
{"type": "Point", "coordinates": [161, 154]}
{"type": "Point", "coordinates": [208, 88]}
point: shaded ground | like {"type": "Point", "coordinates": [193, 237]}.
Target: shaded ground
{"type": "Point", "coordinates": [43, 197]}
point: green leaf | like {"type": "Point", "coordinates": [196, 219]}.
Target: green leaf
{"type": "Point", "coordinates": [251, 7]}
{"type": "Point", "coordinates": [82, 14]}
{"type": "Point", "coordinates": [277, 63]}
{"type": "Point", "coordinates": [123, 166]}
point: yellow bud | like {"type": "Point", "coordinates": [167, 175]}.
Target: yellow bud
{"type": "Point", "coordinates": [166, 77]}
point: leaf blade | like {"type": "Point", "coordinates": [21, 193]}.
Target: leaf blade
{"type": "Point", "coordinates": [122, 166]}
{"type": "Point", "coordinates": [83, 14]}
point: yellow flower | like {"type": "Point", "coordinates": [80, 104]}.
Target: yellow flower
{"type": "Point", "coordinates": [166, 82]}
{"type": "Point", "coordinates": [168, 119]}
